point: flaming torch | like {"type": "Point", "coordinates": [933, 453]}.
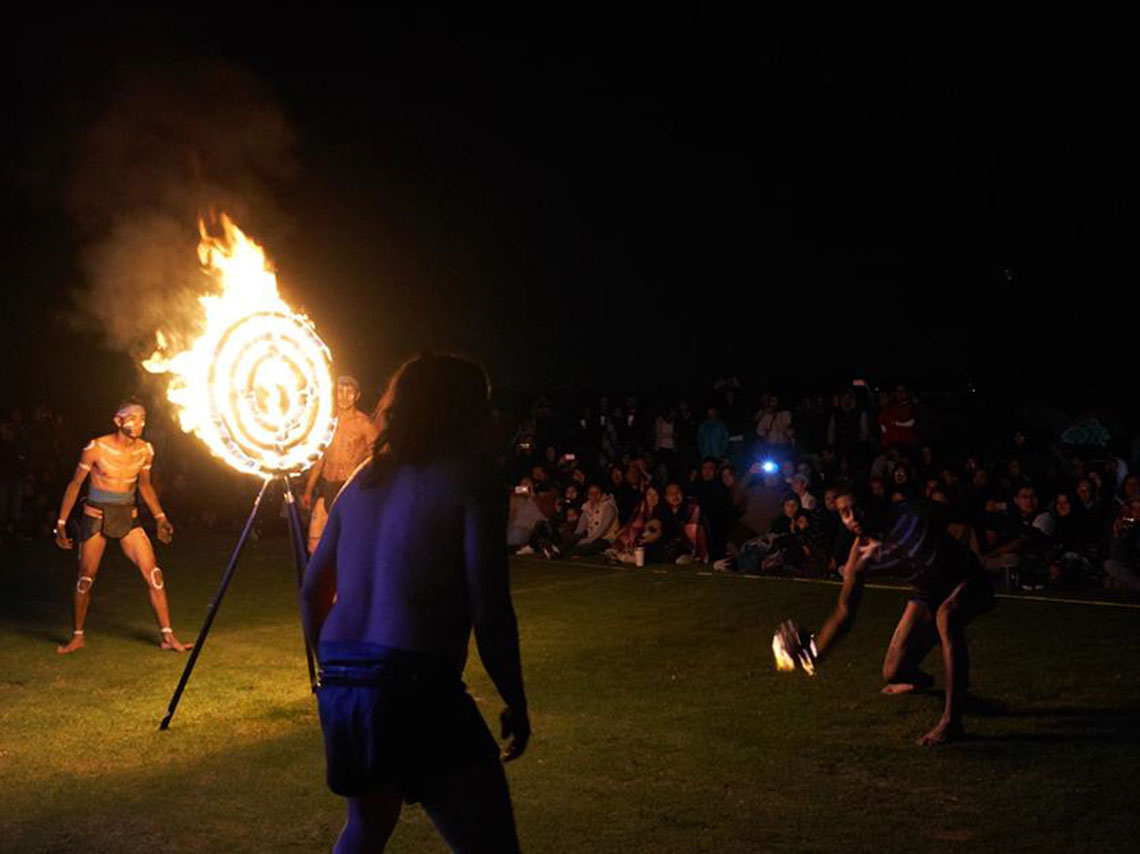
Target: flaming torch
{"type": "Point", "coordinates": [255, 385]}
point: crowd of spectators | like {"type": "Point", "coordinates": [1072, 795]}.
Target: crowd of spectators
{"type": "Point", "coordinates": [744, 484]}
{"type": "Point", "coordinates": [747, 484]}
{"type": "Point", "coordinates": [34, 467]}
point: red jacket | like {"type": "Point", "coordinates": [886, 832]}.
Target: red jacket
{"type": "Point", "coordinates": [897, 425]}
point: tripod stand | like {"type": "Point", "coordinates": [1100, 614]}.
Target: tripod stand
{"type": "Point", "coordinates": [300, 559]}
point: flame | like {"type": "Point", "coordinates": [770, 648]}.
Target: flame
{"type": "Point", "coordinates": [784, 662]}
{"type": "Point", "coordinates": [256, 384]}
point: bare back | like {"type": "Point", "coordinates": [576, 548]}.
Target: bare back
{"type": "Point", "coordinates": [418, 557]}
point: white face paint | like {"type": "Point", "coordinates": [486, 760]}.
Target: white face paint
{"type": "Point", "coordinates": [132, 422]}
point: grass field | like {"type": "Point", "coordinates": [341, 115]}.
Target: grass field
{"type": "Point", "coordinates": [660, 722]}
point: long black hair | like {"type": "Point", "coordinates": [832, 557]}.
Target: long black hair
{"type": "Point", "coordinates": [435, 406]}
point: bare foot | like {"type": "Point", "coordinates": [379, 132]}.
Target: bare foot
{"type": "Point", "coordinates": [944, 733]}
{"type": "Point", "coordinates": [72, 645]}
{"type": "Point", "coordinates": [169, 641]}
{"type": "Point", "coordinates": [916, 681]}
{"type": "Point", "coordinates": [893, 688]}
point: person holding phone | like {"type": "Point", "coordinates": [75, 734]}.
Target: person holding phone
{"type": "Point", "coordinates": [413, 558]}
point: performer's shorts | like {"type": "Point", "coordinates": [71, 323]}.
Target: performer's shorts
{"type": "Point", "coordinates": [113, 521]}
{"type": "Point", "coordinates": [977, 596]}
{"type": "Point", "coordinates": [393, 718]}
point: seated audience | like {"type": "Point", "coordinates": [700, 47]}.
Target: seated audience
{"type": "Point", "coordinates": [598, 524]}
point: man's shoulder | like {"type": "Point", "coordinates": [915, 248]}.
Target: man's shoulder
{"type": "Point", "coordinates": [99, 443]}
{"type": "Point", "coordinates": [903, 514]}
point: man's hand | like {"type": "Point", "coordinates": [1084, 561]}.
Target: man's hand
{"type": "Point", "coordinates": [61, 538]}
{"type": "Point", "coordinates": [516, 730]}
{"type": "Point", "coordinates": [165, 531]}
{"type": "Point", "coordinates": [865, 549]}
{"type": "Point", "coordinates": [307, 501]}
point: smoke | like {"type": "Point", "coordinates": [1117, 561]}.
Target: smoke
{"type": "Point", "coordinates": [174, 143]}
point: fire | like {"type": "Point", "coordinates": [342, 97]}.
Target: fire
{"type": "Point", "coordinates": [784, 661]}
{"type": "Point", "coordinates": [256, 384]}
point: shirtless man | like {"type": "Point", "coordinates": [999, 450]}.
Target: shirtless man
{"type": "Point", "coordinates": [351, 445]}
{"type": "Point", "coordinates": [950, 589]}
{"type": "Point", "coordinates": [413, 560]}
{"type": "Point", "coordinates": [118, 463]}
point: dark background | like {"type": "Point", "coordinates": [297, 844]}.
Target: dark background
{"type": "Point", "coordinates": [596, 202]}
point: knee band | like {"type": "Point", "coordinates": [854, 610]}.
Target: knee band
{"type": "Point", "coordinates": [84, 584]}
{"type": "Point", "coordinates": [156, 579]}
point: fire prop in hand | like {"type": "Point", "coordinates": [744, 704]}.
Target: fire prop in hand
{"type": "Point", "coordinates": [256, 386]}
{"type": "Point", "coordinates": [792, 647]}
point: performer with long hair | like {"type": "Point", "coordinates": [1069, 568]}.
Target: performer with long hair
{"type": "Point", "coordinates": [413, 557]}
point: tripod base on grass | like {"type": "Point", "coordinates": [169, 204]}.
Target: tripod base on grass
{"type": "Point", "coordinates": [300, 559]}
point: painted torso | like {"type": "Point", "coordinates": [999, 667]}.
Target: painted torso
{"type": "Point", "coordinates": [351, 445]}
{"type": "Point", "coordinates": [116, 468]}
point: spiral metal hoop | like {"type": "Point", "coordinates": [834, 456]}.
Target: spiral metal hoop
{"type": "Point", "coordinates": [271, 394]}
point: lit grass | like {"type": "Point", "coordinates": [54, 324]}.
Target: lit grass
{"type": "Point", "coordinates": [660, 723]}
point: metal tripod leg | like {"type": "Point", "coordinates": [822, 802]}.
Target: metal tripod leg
{"type": "Point", "coordinates": [212, 611]}
{"type": "Point", "coordinates": [300, 560]}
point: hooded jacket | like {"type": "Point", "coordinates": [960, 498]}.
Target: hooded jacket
{"type": "Point", "coordinates": [599, 520]}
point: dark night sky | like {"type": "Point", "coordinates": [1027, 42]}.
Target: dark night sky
{"type": "Point", "coordinates": [631, 202]}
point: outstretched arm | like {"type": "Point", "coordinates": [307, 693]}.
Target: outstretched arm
{"type": "Point", "coordinates": [371, 434]}
{"type": "Point", "coordinates": [850, 595]}
{"type": "Point", "coordinates": [493, 615]}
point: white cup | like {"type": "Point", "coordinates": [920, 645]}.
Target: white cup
{"type": "Point", "coordinates": [639, 556]}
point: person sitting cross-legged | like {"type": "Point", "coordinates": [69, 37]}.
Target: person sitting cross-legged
{"type": "Point", "coordinates": [598, 523]}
